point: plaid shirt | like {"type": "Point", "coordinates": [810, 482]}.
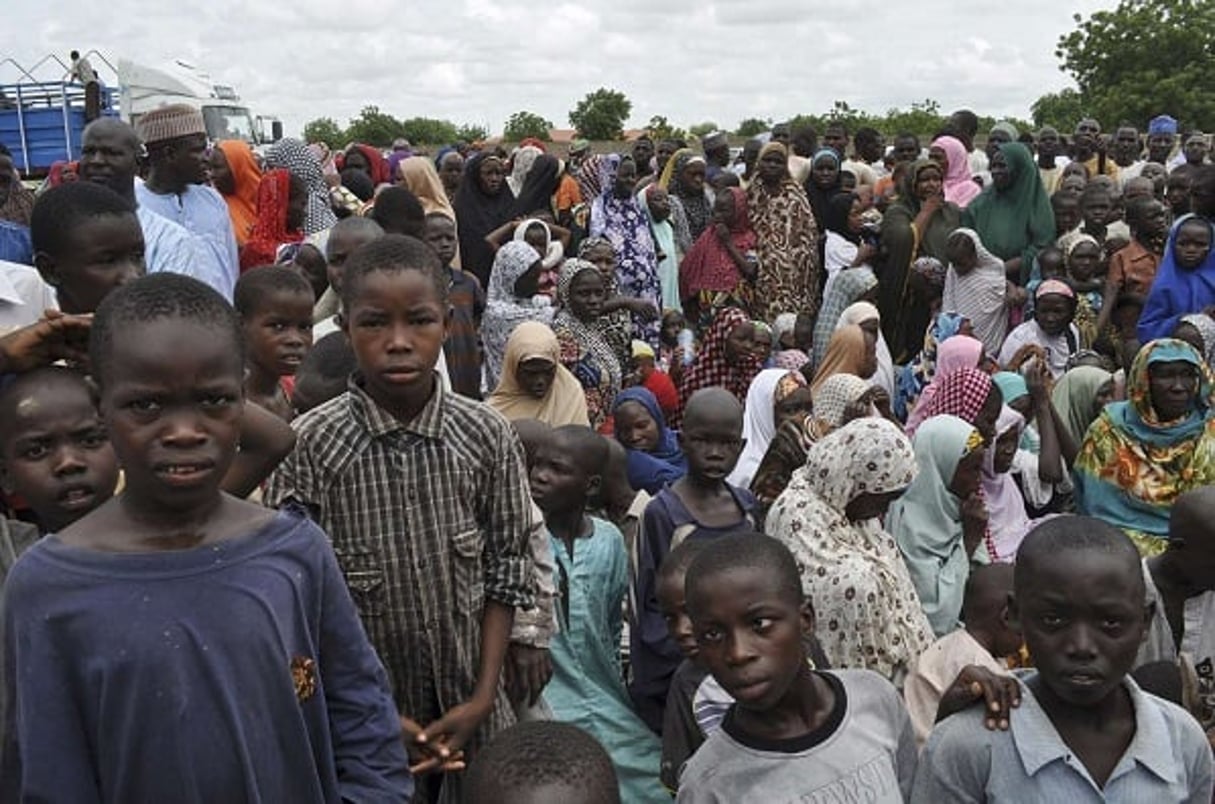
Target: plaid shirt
{"type": "Point", "coordinates": [463, 346]}
{"type": "Point", "coordinates": [428, 519]}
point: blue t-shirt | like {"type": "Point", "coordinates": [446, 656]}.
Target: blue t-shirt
{"type": "Point", "coordinates": [236, 671]}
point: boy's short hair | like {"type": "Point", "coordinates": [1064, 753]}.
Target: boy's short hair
{"type": "Point", "coordinates": [748, 551]}
{"type": "Point", "coordinates": [60, 210]}
{"type": "Point", "coordinates": [46, 379]}
{"type": "Point", "coordinates": [529, 756]}
{"type": "Point", "coordinates": [323, 373]}
{"type": "Point", "coordinates": [1071, 532]}
{"type": "Point", "coordinates": [391, 253]}
{"type": "Point", "coordinates": [255, 285]}
{"type": "Point", "coordinates": [399, 211]}
{"type": "Point", "coordinates": [359, 183]}
{"type": "Point", "coordinates": [590, 451]}
{"type": "Point", "coordinates": [152, 298]}
{"type": "Point", "coordinates": [680, 558]}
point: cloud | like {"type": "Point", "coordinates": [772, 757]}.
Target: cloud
{"type": "Point", "coordinates": [482, 60]}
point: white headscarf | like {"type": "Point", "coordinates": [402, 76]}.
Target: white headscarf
{"type": "Point", "coordinates": [759, 425]}
{"type": "Point", "coordinates": [858, 314]}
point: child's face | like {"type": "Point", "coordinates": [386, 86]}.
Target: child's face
{"type": "Point", "coordinates": [1155, 221]}
{"type": "Point", "coordinates": [968, 475]}
{"type": "Point", "coordinates": [636, 428]}
{"type": "Point", "coordinates": [102, 253]}
{"type": "Point", "coordinates": [675, 612]}
{"type": "Point", "coordinates": [1073, 185]}
{"type": "Point", "coordinates": [1193, 243]}
{"type": "Point", "coordinates": [1053, 313]}
{"type": "Point", "coordinates": [1083, 617]}
{"type": "Point", "coordinates": [1067, 215]}
{"type": "Point", "coordinates": [962, 255]}
{"type": "Point", "coordinates": [58, 458]}
{"type": "Point", "coordinates": [740, 341]}
{"type": "Point", "coordinates": [441, 236]}
{"type": "Point", "coordinates": [172, 402]}
{"type": "Point", "coordinates": [1084, 260]}
{"type": "Point", "coordinates": [559, 482]}
{"type": "Point", "coordinates": [279, 333]}
{"type": "Point", "coordinates": [396, 324]}
{"type": "Point", "coordinates": [1006, 450]}
{"type": "Point", "coordinates": [1050, 263]}
{"type": "Point", "coordinates": [312, 266]}
{"type": "Point", "coordinates": [794, 407]}
{"type": "Point", "coordinates": [672, 325]}
{"type": "Point", "coordinates": [536, 376]}
{"type": "Point", "coordinates": [1178, 191]}
{"type": "Point", "coordinates": [537, 237]}
{"type": "Point", "coordinates": [723, 208]}
{"type": "Point", "coordinates": [711, 442]}
{"type": "Point", "coordinates": [803, 332]}
{"type": "Point", "coordinates": [1097, 209]}
{"type": "Point", "coordinates": [749, 635]}
{"type": "Point", "coordinates": [339, 248]}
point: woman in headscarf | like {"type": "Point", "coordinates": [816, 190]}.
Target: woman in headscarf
{"type": "Point", "coordinates": [521, 164]}
{"type": "Point", "coordinates": [911, 379]}
{"type": "Point", "coordinates": [654, 458]}
{"type": "Point", "coordinates": [281, 204]}
{"type": "Point", "coordinates": [726, 358]}
{"type": "Point", "coordinates": [684, 178]}
{"type": "Point", "coordinates": [954, 353]}
{"type": "Point", "coordinates": [294, 155]}
{"type": "Point", "coordinates": [719, 271]}
{"type": "Point", "coordinates": [976, 288]}
{"type": "Point", "coordinates": [1180, 286]}
{"type": "Point", "coordinates": [656, 203]}
{"type": "Point", "coordinates": [1141, 454]}
{"type": "Point", "coordinates": [830, 517]}
{"type": "Point", "coordinates": [368, 159]}
{"type": "Point", "coordinates": [843, 247]}
{"type": "Point", "coordinates": [916, 225]}
{"type": "Point", "coordinates": [851, 350]}
{"type": "Point", "coordinates": [617, 216]}
{"type": "Point", "coordinates": [786, 239]}
{"type": "Point", "coordinates": [1078, 397]}
{"type": "Point", "coordinates": [951, 155]}
{"type": "Point", "coordinates": [236, 175]}
{"type": "Point", "coordinates": [450, 165]}
{"type": "Point", "coordinates": [584, 349]}
{"type": "Point", "coordinates": [482, 204]}
{"type": "Point", "coordinates": [940, 520]}
{"type": "Point", "coordinates": [769, 388]}
{"type": "Point", "coordinates": [850, 287]}
{"type": "Point", "coordinates": [970, 395]}
{"type": "Point", "coordinates": [1013, 216]}
{"type": "Point", "coordinates": [823, 184]}
{"type": "Point", "coordinates": [1007, 519]}
{"type": "Point", "coordinates": [539, 185]}
{"type": "Point", "coordinates": [534, 384]}
{"type": "Point", "coordinates": [1198, 330]}
{"type": "Point", "coordinates": [510, 300]}
{"type": "Point", "coordinates": [418, 175]}
{"type": "Point", "coordinates": [866, 316]}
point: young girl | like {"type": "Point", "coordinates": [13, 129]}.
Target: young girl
{"type": "Point", "coordinates": [721, 268]}
{"type": "Point", "coordinates": [726, 358]}
{"type": "Point", "coordinates": [282, 204]}
{"type": "Point", "coordinates": [1083, 261]}
{"type": "Point", "coordinates": [1184, 282]}
{"type": "Point", "coordinates": [654, 456]}
{"type": "Point", "coordinates": [1051, 335]}
{"type": "Point", "coordinates": [976, 287]}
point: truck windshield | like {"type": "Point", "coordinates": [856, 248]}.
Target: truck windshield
{"type": "Point", "coordinates": [228, 123]}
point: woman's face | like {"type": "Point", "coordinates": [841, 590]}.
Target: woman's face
{"type": "Point", "coordinates": [1001, 176]}
{"type": "Point", "coordinates": [536, 376]}
{"type": "Point", "coordinates": [660, 203]}
{"type": "Point", "coordinates": [528, 284]}
{"type": "Point", "coordinates": [626, 179]}
{"type": "Point", "coordinates": [672, 325]}
{"type": "Point", "coordinates": [491, 176]}
{"type": "Point", "coordinates": [937, 154]}
{"type": "Point", "coordinates": [928, 183]}
{"type": "Point", "coordinates": [856, 217]}
{"type": "Point", "coordinates": [693, 177]}
{"type": "Point", "coordinates": [1054, 312]}
{"type": "Point", "coordinates": [795, 407]}
{"type": "Point", "coordinates": [869, 366]}
{"type": "Point", "coordinates": [826, 173]}
{"type": "Point", "coordinates": [636, 428]}
{"type": "Point", "coordinates": [1073, 186]}
{"type": "Point", "coordinates": [772, 167]}
{"type": "Point", "coordinates": [603, 258]}
{"type": "Point", "coordinates": [221, 174]}
{"type": "Point", "coordinates": [740, 341]}
{"type": "Point", "coordinates": [1006, 450]}
{"type": "Point", "coordinates": [1173, 387]}
{"type": "Point", "coordinates": [297, 204]}
{"type": "Point", "coordinates": [586, 295]}
{"type": "Point", "coordinates": [763, 345]}
{"type": "Point", "coordinates": [723, 208]}
{"type": "Point", "coordinates": [451, 169]}
{"type": "Point", "coordinates": [355, 160]}
{"type": "Point", "coordinates": [967, 476]}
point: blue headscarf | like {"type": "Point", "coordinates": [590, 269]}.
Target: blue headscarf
{"type": "Point", "coordinates": [651, 471]}
{"type": "Point", "coordinates": [1177, 291]}
{"type": "Point", "coordinates": [1011, 385]}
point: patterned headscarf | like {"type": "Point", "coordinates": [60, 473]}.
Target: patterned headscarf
{"type": "Point", "coordinates": [961, 394]}
{"type": "Point", "coordinates": [503, 309]}
{"type": "Point", "coordinates": [712, 367]}
{"type": "Point", "coordinates": [1206, 329]}
{"type": "Point", "coordinates": [270, 231]}
{"type": "Point", "coordinates": [587, 333]}
{"type": "Point", "coordinates": [832, 400]}
{"type": "Point", "coordinates": [294, 155]}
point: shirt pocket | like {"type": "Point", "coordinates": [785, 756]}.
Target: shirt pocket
{"type": "Point", "coordinates": [467, 573]}
{"type": "Point", "coordinates": [365, 578]}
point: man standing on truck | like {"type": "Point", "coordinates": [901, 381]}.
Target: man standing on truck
{"type": "Point", "coordinates": [176, 139]}
{"type": "Point", "coordinates": [110, 156]}
{"type": "Point", "coordinates": [84, 73]}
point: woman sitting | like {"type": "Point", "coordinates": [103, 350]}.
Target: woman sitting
{"type": "Point", "coordinates": [727, 358]}
{"type": "Point", "coordinates": [1141, 454]}
{"type": "Point", "coordinates": [534, 384]}
{"type": "Point", "coordinates": [775, 396]}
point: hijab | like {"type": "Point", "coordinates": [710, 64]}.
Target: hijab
{"type": "Point", "coordinates": [294, 155]}
{"type": "Point", "coordinates": [588, 334]}
{"type": "Point", "coordinates": [477, 214]}
{"type": "Point", "coordinates": [377, 165]}
{"type": "Point", "coordinates": [980, 294]}
{"type": "Point", "coordinates": [963, 394]}
{"type": "Point", "coordinates": [820, 197]}
{"type": "Point", "coordinates": [1014, 221]}
{"type": "Point", "coordinates": [651, 471]}
{"type": "Point", "coordinates": [246, 177]}
{"type": "Point", "coordinates": [1007, 521]}
{"type": "Point", "coordinates": [503, 309]}
{"type": "Point", "coordinates": [421, 179]}
{"type": "Point", "coordinates": [712, 367]}
{"type": "Point", "coordinates": [858, 313]}
{"type": "Point", "coordinates": [960, 187]}
{"type": "Point", "coordinates": [1206, 330]}
{"type": "Point", "coordinates": [565, 402]}
{"type": "Point", "coordinates": [953, 354]}
{"type": "Point", "coordinates": [697, 206]}
{"type": "Point", "coordinates": [554, 252]}
{"type": "Point", "coordinates": [833, 400]}
{"type": "Point", "coordinates": [1074, 397]}
{"type": "Point", "coordinates": [846, 354]}
{"type": "Point", "coordinates": [521, 164]}
{"type": "Point", "coordinates": [539, 185]}
{"type": "Point", "coordinates": [839, 210]}
{"type": "Point", "coordinates": [926, 521]}
{"type": "Point", "coordinates": [759, 422]}
{"type": "Point", "coordinates": [849, 285]}
{"type": "Point", "coordinates": [709, 266]}
{"type": "Point", "coordinates": [270, 231]}
{"type": "Point", "coordinates": [1176, 290]}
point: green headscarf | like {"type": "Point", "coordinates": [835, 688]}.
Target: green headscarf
{"type": "Point", "coordinates": [1016, 221]}
{"type": "Point", "coordinates": [1074, 395]}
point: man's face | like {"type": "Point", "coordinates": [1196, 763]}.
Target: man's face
{"type": "Point", "coordinates": [1126, 146]}
{"type": "Point", "coordinates": [109, 157]}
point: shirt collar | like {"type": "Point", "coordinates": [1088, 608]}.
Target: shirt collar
{"type": "Point", "coordinates": [1039, 744]}
{"type": "Point", "coordinates": [379, 422]}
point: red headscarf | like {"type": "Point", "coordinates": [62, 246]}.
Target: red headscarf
{"type": "Point", "coordinates": [270, 231]}
{"type": "Point", "coordinates": [708, 265]}
{"type": "Point", "coordinates": [379, 165]}
{"type": "Point", "coordinates": [712, 366]}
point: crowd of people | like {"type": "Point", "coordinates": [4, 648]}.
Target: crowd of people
{"type": "Point", "coordinates": [823, 471]}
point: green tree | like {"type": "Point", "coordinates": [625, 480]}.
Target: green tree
{"type": "Point", "coordinates": [522, 125]}
{"type": "Point", "coordinates": [1062, 110]}
{"type": "Point", "coordinates": [923, 119]}
{"type": "Point", "coordinates": [601, 114]}
{"type": "Point", "coordinates": [374, 127]}
{"type": "Point", "coordinates": [428, 131]}
{"type": "Point", "coordinates": [326, 130]}
{"type": "Point", "coordinates": [471, 132]}
{"type": "Point", "coordinates": [752, 126]}
{"type": "Point", "coordinates": [661, 129]}
{"type": "Point", "coordinates": [1144, 58]}
{"type": "Point", "coordinates": [699, 130]}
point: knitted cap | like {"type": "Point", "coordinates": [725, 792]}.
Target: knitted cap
{"type": "Point", "coordinates": [715, 140]}
{"type": "Point", "coordinates": [171, 122]}
{"type": "Point", "coordinates": [1162, 124]}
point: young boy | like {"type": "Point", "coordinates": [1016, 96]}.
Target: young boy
{"type": "Point", "coordinates": [592, 571]}
{"type": "Point", "coordinates": [700, 505]}
{"type": "Point", "coordinates": [275, 306]}
{"type": "Point", "coordinates": [177, 643]}
{"type": "Point", "coordinates": [346, 236]}
{"type": "Point", "coordinates": [986, 641]}
{"type": "Point", "coordinates": [793, 734]}
{"type": "Point", "coordinates": [425, 497]}
{"type": "Point", "coordinates": [1084, 731]}
{"type": "Point", "coordinates": [323, 373]}
{"type": "Point", "coordinates": [462, 349]}
{"type": "Point", "coordinates": [539, 762]}
{"type": "Point", "coordinates": [87, 241]}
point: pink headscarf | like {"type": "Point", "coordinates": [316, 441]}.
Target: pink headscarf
{"type": "Point", "coordinates": [960, 188]}
{"type": "Point", "coordinates": [953, 355]}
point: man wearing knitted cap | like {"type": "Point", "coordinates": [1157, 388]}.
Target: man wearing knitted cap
{"type": "Point", "coordinates": [1162, 136]}
{"type": "Point", "coordinates": [176, 139]}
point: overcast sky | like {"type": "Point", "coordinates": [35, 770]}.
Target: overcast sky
{"type": "Point", "coordinates": [478, 61]}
